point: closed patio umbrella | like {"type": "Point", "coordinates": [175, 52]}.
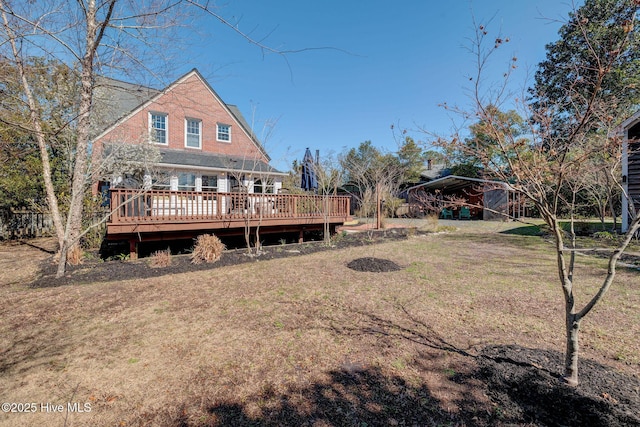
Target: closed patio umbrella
{"type": "Point", "coordinates": [309, 181]}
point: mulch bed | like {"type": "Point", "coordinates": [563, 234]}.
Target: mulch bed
{"type": "Point", "coordinates": [107, 271]}
{"type": "Point", "coordinates": [525, 386]}
{"type": "Point", "coordinates": [375, 265]}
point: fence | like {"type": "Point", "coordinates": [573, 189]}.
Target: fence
{"type": "Point", "coordinates": [24, 224]}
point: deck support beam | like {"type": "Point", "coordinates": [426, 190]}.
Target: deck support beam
{"type": "Point", "coordinates": [133, 249]}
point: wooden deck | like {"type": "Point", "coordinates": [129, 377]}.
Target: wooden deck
{"type": "Point", "coordinates": [154, 213]}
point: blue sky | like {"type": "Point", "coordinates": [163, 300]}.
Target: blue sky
{"type": "Point", "coordinates": [386, 63]}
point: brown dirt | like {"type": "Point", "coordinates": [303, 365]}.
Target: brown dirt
{"type": "Point", "coordinates": [434, 377]}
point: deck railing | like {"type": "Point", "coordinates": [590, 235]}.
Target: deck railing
{"type": "Point", "coordinates": [163, 206]}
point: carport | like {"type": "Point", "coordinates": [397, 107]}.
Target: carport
{"type": "Point", "coordinates": [486, 199]}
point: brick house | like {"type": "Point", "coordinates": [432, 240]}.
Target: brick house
{"type": "Point", "coordinates": [209, 172]}
{"type": "Point", "coordinates": [204, 144]}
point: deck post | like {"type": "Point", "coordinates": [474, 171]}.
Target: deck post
{"type": "Point", "coordinates": [133, 249]}
{"type": "Point", "coordinates": [301, 236]}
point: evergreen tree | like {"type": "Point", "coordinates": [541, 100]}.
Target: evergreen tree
{"type": "Point", "coordinates": [597, 48]}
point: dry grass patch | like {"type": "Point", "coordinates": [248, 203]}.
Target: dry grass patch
{"type": "Point", "coordinates": [14, 269]}
{"type": "Point", "coordinates": [301, 340]}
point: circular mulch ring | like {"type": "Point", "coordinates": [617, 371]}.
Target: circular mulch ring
{"type": "Point", "coordinates": [375, 265]}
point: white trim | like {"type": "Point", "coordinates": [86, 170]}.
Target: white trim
{"type": "Point", "coordinates": [173, 183]}
{"type": "Point", "coordinates": [173, 166]}
{"type": "Point", "coordinates": [630, 122]}
{"type": "Point", "coordinates": [223, 183]}
{"type": "Point", "coordinates": [199, 177]}
{"type": "Point", "coordinates": [226, 141]}
{"type": "Point", "coordinates": [151, 129]}
{"type": "Point", "coordinates": [189, 174]}
{"type": "Point", "coordinates": [625, 185]}
{"type": "Point", "coordinates": [624, 130]}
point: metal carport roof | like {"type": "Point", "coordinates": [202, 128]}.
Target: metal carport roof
{"type": "Point", "coordinates": [455, 183]}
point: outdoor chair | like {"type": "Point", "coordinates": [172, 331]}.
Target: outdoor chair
{"type": "Point", "coordinates": [465, 213]}
{"type": "Point", "coordinates": [446, 213]}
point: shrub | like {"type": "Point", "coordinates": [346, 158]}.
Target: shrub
{"type": "Point", "coordinates": [161, 258]}
{"type": "Point", "coordinates": [432, 221]}
{"type": "Point", "coordinates": [208, 248]}
{"type": "Point", "coordinates": [74, 255]}
{"type": "Point", "coordinates": [338, 236]}
{"type": "Point", "coordinates": [604, 235]}
{"type": "Point", "coordinates": [391, 206]}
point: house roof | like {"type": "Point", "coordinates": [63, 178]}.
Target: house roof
{"type": "Point", "coordinates": [177, 159]}
{"type": "Point", "coordinates": [434, 171]}
{"type": "Point", "coordinates": [118, 98]}
{"type": "Point", "coordinates": [629, 123]}
{"type": "Point", "coordinates": [635, 118]}
{"type": "Point", "coordinates": [455, 183]}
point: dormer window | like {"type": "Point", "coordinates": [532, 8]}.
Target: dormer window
{"type": "Point", "coordinates": [224, 133]}
{"type": "Point", "coordinates": [158, 128]}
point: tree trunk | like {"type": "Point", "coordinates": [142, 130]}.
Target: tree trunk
{"type": "Point", "coordinates": [94, 33]}
{"type": "Point", "coordinates": [571, 352]}
{"type": "Point", "coordinates": [74, 218]}
{"type": "Point", "coordinates": [572, 320]}
{"type": "Point", "coordinates": [62, 261]}
{"type": "Point", "coordinates": [613, 214]}
{"type": "Point", "coordinates": [378, 208]}
{"type": "Point", "coordinates": [36, 121]}
{"type": "Point", "coordinates": [326, 231]}
{"type": "Point", "coordinates": [602, 209]}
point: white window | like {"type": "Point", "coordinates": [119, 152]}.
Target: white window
{"type": "Point", "coordinates": [264, 186]}
{"type": "Point", "coordinates": [159, 181]}
{"type": "Point", "coordinates": [210, 183]}
{"type": "Point", "coordinates": [186, 182]}
{"type": "Point", "coordinates": [235, 186]}
{"type": "Point", "coordinates": [158, 127]}
{"type": "Point", "coordinates": [193, 133]}
{"type": "Point", "coordinates": [161, 184]}
{"type": "Point", "coordinates": [224, 132]}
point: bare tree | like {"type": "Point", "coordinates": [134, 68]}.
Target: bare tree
{"type": "Point", "coordinates": [263, 203]}
{"type": "Point", "coordinates": [559, 140]}
{"type": "Point", "coordinates": [251, 179]}
{"type": "Point", "coordinates": [328, 177]}
{"type": "Point", "coordinates": [93, 38]}
{"type": "Point", "coordinates": [597, 182]}
{"type": "Point", "coordinates": [374, 175]}
{"type": "Point", "coordinates": [91, 35]}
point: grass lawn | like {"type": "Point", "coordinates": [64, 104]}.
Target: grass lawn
{"type": "Point", "coordinates": [303, 340]}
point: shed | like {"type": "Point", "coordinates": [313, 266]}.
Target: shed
{"type": "Point", "coordinates": [630, 129]}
